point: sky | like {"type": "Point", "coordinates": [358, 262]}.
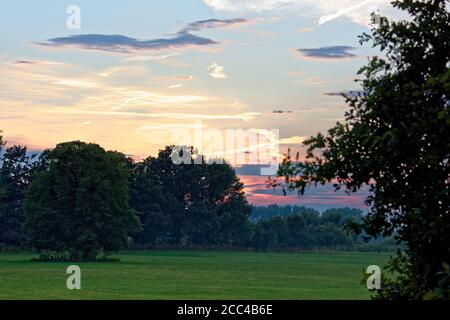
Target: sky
{"type": "Point", "coordinates": [135, 76]}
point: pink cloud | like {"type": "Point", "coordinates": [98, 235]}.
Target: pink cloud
{"type": "Point", "coordinates": [320, 197]}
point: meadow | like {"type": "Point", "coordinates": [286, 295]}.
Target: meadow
{"type": "Point", "coordinates": [194, 275]}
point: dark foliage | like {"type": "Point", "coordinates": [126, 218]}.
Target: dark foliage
{"type": "Point", "coordinates": [77, 206]}
{"type": "Point", "coordinates": [189, 204]}
{"type": "Point", "coordinates": [396, 140]}
{"type": "Point", "coordinates": [15, 171]}
{"type": "Point", "coordinates": [294, 227]}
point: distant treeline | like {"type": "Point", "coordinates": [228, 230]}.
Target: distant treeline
{"type": "Point", "coordinates": [297, 227]}
{"type": "Point", "coordinates": [78, 202]}
{"type": "Point", "coordinates": [275, 210]}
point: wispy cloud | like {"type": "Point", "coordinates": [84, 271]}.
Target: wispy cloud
{"type": "Point", "coordinates": [319, 197]}
{"type": "Point", "coordinates": [213, 23]}
{"type": "Point", "coordinates": [24, 62]}
{"type": "Point", "coordinates": [326, 53]}
{"type": "Point", "coordinates": [342, 11]}
{"type": "Point", "coordinates": [217, 71]}
{"type": "Point", "coordinates": [249, 5]}
{"type": "Point", "coordinates": [174, 86]}
{"type": "Point", "coordinates": [124, 44]}
{"type": "Point", "coordinates": [39, 62]}
{"type": "Point", "coordinates": [188, 78]}
{"type": "Point", "coordinates": [305, 29]}
{"type": "Point", "coordinates": [161, 115]}
{"type": "Point", "coordinates": [281, 111]}
{"type": "Point", "coordinates": [313, 81]}
{"type": "Point", "coordinates": [352, 93]}
{"type": "Point", "coordinates": [77, 83]}
{"type": "Point", "coordinates": [141, 58]}
{"type": "Point", "coordinates": [295, 73]}
{"type": "Point", "coordinates": [61, 103]}
{"type": "Point", "coordinates": [356, 10]}
{"type": "Point", "coordinates": [293, 140]}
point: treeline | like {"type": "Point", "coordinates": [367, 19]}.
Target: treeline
{"type": "Point", "coordinates": [296, 227]}
{"type": "Point", "coordinates": [274, 210]}
{"type": "Point", "coordinates": [301, 227]}
{"type": "Point", "coordinates": [81, 202]}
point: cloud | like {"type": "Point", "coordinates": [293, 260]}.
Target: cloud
{"type": "Point", "coordinates": [24, 62]}
{"type": "Point", "coordinates": [295, 73]}
{"type": "Point", "coordinates": [187, 78]}
{"type": "Point", "coordinates": [305, 29]}
{"type": "Point", "coordinates": [342, 11]}
{"type": "Point", "coordinates": [65, 102]}
{"type": "Point", "coordinates": [217, 71]}
{"type": "Point", "coordinates": [213, 23]}
{"type": "Point", "coordinates": [293, 140]}
{"type": "Point", "coordinates": [38, 62]}
{"type": "Point", "coordinates": [144, 98]}
{"type": "Point", "coordinates": [281, 111]}
{"type": "Point", "coordinates": [313, 81]}
{"type": "Point", "coordinates": [247, 116]}
{"type": "Point", "coordinates": [174, 86]}
{"type": "Point", "coordinates": [152, 58]}
{"type": "Point", "coordinates": [352, 93]}
{"type": "Point", "coordinates": [326, 53]}
{"type": "Point", "coordinates": [320, 197]}
{"type": "Point", "coordinates": [77, 83]}
{"type": "Point", "coordinates": [357, 11]}
{"type": "Point", "coordinates": [123, 44]}
{"type": "Point", "coordinates": [249, 5]}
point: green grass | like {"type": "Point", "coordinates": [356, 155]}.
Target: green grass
{"type": "Point", "coordinates": [194, 275]}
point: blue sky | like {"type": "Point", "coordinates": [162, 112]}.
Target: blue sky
{"type": "Point", "coordinates": [137, 70]}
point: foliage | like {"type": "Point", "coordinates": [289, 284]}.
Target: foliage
{"type": "Point", "coordinates": [294, 227]}
{"type": "Point", "coordinates": [15, 171]}
{"type": "Point", "coordinates": [77, 205]}
{"type": "Point", "coordinates": [396, 140]}
{"type": "Point", "coordinates": [275, 210]}
{"type": "Point", "coordinates": [188, 204]}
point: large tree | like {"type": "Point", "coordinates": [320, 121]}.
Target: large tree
{"type": "Point", "coordinates": [395, 139]}
{"type": "Point", "coordinates": [189, 204]}
{"type": "Point", "coordinates": [77, 206]}
{"type": "Point", "coordinates": [15, 170]}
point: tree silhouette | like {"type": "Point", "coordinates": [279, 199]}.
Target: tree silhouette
{"type": "Point", "coordinates": [15, 174]}
{"type": "Point", "coordinates": [192, 204]}
{"type": "Point", "coordinates": [77, 206]}
{"type": "Point", "coordinates": [395, 139]}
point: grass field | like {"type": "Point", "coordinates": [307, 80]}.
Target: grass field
{"type": "Point", "coordinates": [194, 275]}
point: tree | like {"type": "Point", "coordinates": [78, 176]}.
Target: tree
{"type": "Point", "coordinates": [148, 199]}
{"type": "Point", "coordinates": [341, 216]}
{"type": "Point", "coordinates": [14, 178]}
{"type": "Point", "coordinates": [77, 206]}
{"type": "Point", "coordinates": [189, 204]}
{"type": "Point", "coordinates": [15, 170]}
{"type": "Point", "coordinates": [275, 210]}
{"type": "Point", "coordinates": [395, 139]}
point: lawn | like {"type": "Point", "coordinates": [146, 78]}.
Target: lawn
{"type": "Point", "coordinates": [194, 275]}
